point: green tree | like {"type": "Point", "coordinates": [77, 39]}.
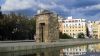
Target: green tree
{"type": "Point", "coordinates": [16, 27]}
{"type": "Point", "coordinates": [1, 16]}
{"type": "Point", "coordinates": [64, 36]}
{"type": "Point", "coordinates": [81, 35]}
{"type": "Point", "coordinates": [33, 27]}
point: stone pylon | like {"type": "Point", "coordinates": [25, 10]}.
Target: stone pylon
{"type": "Point", "coordinates": [46, 26]}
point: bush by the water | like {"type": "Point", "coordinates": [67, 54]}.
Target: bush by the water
{"type": "Point", "coordinates": [64, 36]}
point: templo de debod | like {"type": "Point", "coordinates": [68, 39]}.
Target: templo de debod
{"type": "Point", "coordinates": [47, 28]}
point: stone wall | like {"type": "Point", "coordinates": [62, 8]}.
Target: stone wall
{"type": "Point", "coordinates": [24, 46]}
{"type": "Point", "coordinates": [48, 32]}
{"type": "Point", "coordinates": [53, 28]}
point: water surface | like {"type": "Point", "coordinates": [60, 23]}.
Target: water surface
{"type": "Point", "coordinates": [77, 50]}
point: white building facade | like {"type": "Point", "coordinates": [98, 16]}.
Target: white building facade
{"type": "Point", "coordinates": [72, 26]}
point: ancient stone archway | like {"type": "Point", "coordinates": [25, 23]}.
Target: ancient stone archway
{"type": "Point", "coordinates": [47, 27]}
{"type": "Point", "coordinates": [42, 29]}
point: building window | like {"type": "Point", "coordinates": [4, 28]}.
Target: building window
{"type": "Point", "coordinates": [63, 21]}
{"type": "Point", "coordinates": [72, 20]}
{"type": "Point", "coordinates": [66, 30]}
{"type": "Point", "coordinates": [76, 20]}
{"type": "Point", "coordinates": [73, 34]}
{"type": "Point", "coordinates": [69, 21]}
{"type": "Point", "coordinates": [79, 23]}
{"type": "Point", "coordinates": [79, 49]}
{"type": "Point", "coordinates": [70, 33]}
{"type": "Point", "coordinates": [69, 24]}
{"type": "Point", "coordinates": [76, 49]}
{"type": "Point", "coordinates": [66, 25]}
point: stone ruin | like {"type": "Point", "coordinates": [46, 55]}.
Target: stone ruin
{"type": "Point", "coordinates": [46, 26]}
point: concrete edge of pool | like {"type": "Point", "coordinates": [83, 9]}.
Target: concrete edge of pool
{"type": "Point", "coordinates": [19, 46]}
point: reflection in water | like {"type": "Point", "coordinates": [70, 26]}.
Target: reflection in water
{"type": "Point", "coordinates": [82, 50]}
{"type": "Point", "coordinates": [38, 52]}
{"type": "Point", "coordinates": [49, 52]}
{"type": "Point", "coordinates": [79, 50]}
{"type": "Point", "coordinates": [94, 47]}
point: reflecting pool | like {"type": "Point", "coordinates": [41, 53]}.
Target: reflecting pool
{"type": "Point", "coordinates": [76, 50]}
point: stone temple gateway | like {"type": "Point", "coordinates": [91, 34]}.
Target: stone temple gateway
{"type": "Point", "coordinates": [46, 26]}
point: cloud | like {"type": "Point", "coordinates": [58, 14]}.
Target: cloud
{"type": "Point", "coordinates": [84, 3]}
{"type": "Point", "coordinates": [89, 10]}
{"type": "Point", "coordinates": [76, 8]}
{"type": "Point", "coordinates": [11, 5]}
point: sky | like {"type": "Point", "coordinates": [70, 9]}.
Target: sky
{"type": "Point", "coordinates": [87, 9]}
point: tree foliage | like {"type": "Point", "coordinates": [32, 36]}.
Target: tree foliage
{"type": "Point", "coordinates": [64, 36]}
{"type": "Point", "coordinates": [16, 27]}
{"type": "Point", "coordinates": [81, 35]}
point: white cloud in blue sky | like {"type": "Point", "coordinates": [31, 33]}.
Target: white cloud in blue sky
{"type": "Point", "coordinates": [12, 5]}
{"type": "Point", "coordinates": [88, 9]}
